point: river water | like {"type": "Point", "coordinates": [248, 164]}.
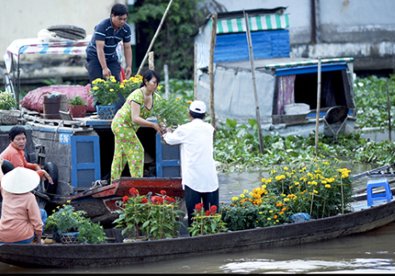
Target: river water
{"type": "Point", "coordinates": [371, 252]}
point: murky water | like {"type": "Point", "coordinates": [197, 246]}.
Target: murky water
{"type": "Point", "coordinates": [371, 252]}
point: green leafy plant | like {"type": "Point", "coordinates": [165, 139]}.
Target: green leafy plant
{"type": "Point", "coordinates": [65, 219]}
{"type": "Point", "coordinates": [150, 217]}
{"type": "Point", "coordinates": [172, 112]}
{"type": "Point", "coordinates": [77, 100]}
{"type": "Point", "coordinates": [7, 101]}
{"type": "Point", "coordinates": [206, 222]}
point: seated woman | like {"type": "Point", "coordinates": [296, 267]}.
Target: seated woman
{"type": "Point", "coordinates": [21, 218]}
{"type": "Point", "coordinates": [15, 154]}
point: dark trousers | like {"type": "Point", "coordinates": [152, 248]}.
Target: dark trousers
{"type": "Point", "coordinates": [95, 71]}
{"type": "Point", "coordinates": [193, 197]}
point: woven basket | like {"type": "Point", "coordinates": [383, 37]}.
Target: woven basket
{"type": "Point", "coordinates": [9, 117]}
{"type": "Point", "coordinates": [69, 238]}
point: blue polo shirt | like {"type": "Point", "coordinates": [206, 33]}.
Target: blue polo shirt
{"type": "Point", "coordinates": [104, 31]}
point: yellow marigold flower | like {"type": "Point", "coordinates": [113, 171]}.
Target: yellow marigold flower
{"type": "Point", "coordinates": [242, 196]}
{"type": "Point", "coordinates": [286, 199]}
{"type": "Point", "coordinates": [269, 218]}
{"type": "Point", "coordinates": [111, 89]}
{"type": "Point", "coordinates": [285, 168]}
{"type": "Point", "coordinates": [296, 183]}
{"type": "Point", "coordinates": [264, 186]}
{"type": "Point", "coordinates": [315, 191]}
{"type": "Point", "coordinates": [275, 216]}
{"type": "Point", "coordinates": [270, 211]}
{"type": "Point", "coordinates": [280, 177]}
{"type": "Point", "coordinates": [328, 186]}
{"type": "Point", "coordinates": [235, 198]}
{"type": "Point", "coordinates": [95, 88]}
{"type": "Point", "coordinates": [245, 191]}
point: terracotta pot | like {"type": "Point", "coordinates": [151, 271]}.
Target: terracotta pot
{"type": "Point", "coordinates": [77, 110]}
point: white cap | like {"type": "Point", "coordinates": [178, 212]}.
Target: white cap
{"type": "Point", "coordinates": [20, 180]}
{"type": "Point", "coordinates": [198, 107]}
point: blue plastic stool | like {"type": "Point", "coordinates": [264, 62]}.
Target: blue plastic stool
{"type": "Point", "coordinates": [382, 195]}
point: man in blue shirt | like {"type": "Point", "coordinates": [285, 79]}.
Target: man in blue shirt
{"type": "Point", "coordinates": [101, 52]}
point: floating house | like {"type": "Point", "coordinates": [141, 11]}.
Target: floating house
{"type": "Point", "coordinates": [286, 87]}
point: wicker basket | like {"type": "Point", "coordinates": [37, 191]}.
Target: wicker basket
{"type": "Point", "coordinates": [69, 238]}
{"type": "Point", "coordinates": [9, 117]}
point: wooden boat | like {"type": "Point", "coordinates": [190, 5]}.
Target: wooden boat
{"type": "Point", "coordinates": [118, 253]}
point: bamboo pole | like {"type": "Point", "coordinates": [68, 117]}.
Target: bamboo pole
{"type": "Point", "coordinates": [154, 38]}
{"type": "Point", "coordinates": [251, 54]}
{"type": "Point", "coordinates": [389, 114]}
{"type": "Point", "coordinates": [317, 117]}
{"type": "Point", "coordinates": [151, 62]}
{"type": "Point", "coordinates": [211, 67]}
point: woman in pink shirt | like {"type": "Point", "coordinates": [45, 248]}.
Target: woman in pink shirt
{"type": "Point", "coordinates": [21, 220]}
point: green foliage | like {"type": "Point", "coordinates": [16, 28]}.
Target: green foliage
{"type": "Point", "coordinates": [66, 219]}
{"type": "Point", "coordinates": [371, 99]}
{"type": "Point", "coordinates": [7, 101]}
{"type": "Point", "coordinates": [174, 44]}
{"type": "Point", "coordinates": [205, 222]}
{"type": "Point", "coordinates": [77, 100]}
{"type": "Point", "coordinates": [172, 112]}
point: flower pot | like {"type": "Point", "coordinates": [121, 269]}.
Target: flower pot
{"type": "Point", "coordinates": [106, 112]}
{"type": "Point", "coordinates": [77, 111]}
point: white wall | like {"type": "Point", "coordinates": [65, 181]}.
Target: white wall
{"type": "Point", "coordinates": [25, 18]}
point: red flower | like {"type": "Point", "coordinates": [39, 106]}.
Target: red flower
{"type": "Point", "coordinates": [213, 209]}
{"type": "Point", "coordinates": [207, 213]}
{"type": "Point", "coordinates": [169, 199]}
{"type": "Point", "coordinates": [162, 192]}
{"type": "Point", "coordinates": [133, 191]}
{"type": "Point", "coordinates": [144, 200]}
{"type": "Point", "coordinates": [157, 200]}
{"type": "Point", "coordinates": [125, 198]}
{"type": "Point", "coordinates": [199, 206]}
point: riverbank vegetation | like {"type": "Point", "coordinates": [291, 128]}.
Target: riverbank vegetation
{"type": "Point", "coordinates": [237, 145]}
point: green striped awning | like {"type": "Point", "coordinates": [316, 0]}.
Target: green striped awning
{"type": "Point", "coordinates": [257, 23]}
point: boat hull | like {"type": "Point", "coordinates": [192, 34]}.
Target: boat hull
{"type": "Point", "coordinates": [116, 254]}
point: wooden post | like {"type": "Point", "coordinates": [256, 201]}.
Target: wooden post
{"type": "Point", "coordinates": [251, 54]}
{"type": "Point", "coordinates": [154, 38]}
{"type": "Point", "coordinates": [317, 117]}
{"type": "Point", "coordinates": [211, 67]}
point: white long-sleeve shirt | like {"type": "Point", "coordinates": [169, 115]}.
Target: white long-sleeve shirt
{"type": "Point", "coordinates": [198, 170]}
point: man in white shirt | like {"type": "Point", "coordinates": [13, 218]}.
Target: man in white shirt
{"type": "Point", "coordinates": [198, 172]}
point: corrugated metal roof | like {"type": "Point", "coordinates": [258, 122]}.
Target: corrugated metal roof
{"type": "Point", "coordinates": [256, 22]}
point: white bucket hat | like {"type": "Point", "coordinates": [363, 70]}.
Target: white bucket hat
{"type": "Point", "coordinates": [20, 180]}
{"type": "Point", "coordinates": [198, 107]}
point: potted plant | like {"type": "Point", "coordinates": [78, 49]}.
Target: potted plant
{"type": "Point", "coordinates": [107, 92]}
{"type": "Point", "coordinates": [70, 226]}
{"type": "Point", "coordinates": [77, 107]}
{"type": "Point", "coordinates": [8, 114]}
{"type": "Point", "coordinates": [148, 217]}
{"type": "Point", "coordinates": [206, 222]}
